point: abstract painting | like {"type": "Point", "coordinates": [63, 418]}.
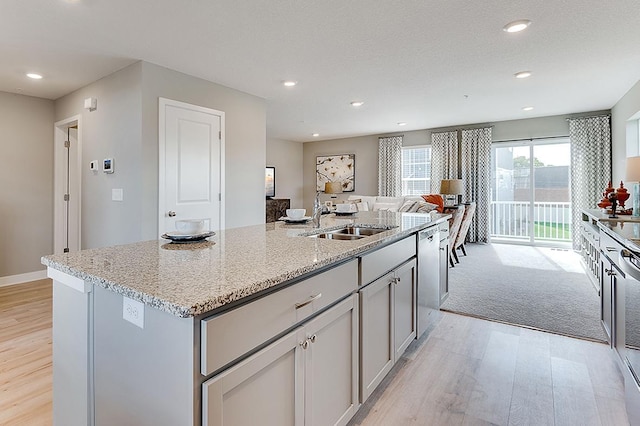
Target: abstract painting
{"type": "Point", "coordinates": [336, 168]}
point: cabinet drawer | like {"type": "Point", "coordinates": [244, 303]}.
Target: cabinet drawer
{"type": "Point", "coordinates": [229, 335]}
{"type": "Point", "coordinates": [379, 262]}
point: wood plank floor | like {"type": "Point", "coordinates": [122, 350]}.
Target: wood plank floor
{"type": "Point", "coordinates": [25, 354]}
{"type": "Point", "coordinates": [467, 371]}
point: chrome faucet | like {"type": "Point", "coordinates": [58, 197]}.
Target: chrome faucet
{"type": "Point", "coordinates": [317, 210]}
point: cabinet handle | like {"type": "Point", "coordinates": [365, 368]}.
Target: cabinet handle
{"type": "Point", "coordinates": [313, 338]}
{"type": "Point", "coordinates": [305, 344]}
{"type": "Point", "coordinates": [309, 300]}
{"type": "Point", "coordinates": [171, 213]}
{"type": "Point", "coordinates": [610, 249]}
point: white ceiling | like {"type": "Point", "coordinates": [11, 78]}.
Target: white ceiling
{"type": "Point", "coordinates": [408, 60]}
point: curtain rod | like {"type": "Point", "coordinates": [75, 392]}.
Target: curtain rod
{"type": "Point", "coordinates": [588, 116]}
{"type": "Point", "coordinates": [530, 139]}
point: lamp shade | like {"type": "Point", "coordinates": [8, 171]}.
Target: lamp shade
{"type": "Point", "coordinates": [451, 186]}
{"type": "Point", "coordinates": [333, 187]}
{"type": "Point", "coordinates": [633, 169]}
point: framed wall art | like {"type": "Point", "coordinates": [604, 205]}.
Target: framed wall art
{"type": "Point", "coordinates": [336, 168]}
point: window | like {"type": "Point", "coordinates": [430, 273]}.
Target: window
{"type": "Point", "coordinates": [416, 170]}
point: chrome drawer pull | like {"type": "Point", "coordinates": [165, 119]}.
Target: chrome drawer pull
{"type": "Point", "coordinates": [311, 299]}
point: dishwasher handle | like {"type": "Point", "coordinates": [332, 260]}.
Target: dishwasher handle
{"type": "Point", "coordinates": [428, 233]}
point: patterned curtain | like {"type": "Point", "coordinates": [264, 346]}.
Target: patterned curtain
{"type": "Point", "coordinates": [476, 175]}
{"type": "Point", "coordinates": [390, 166]}
{"type": "Point", "coordinates": [444, 158]}
{"type": "Point", "coordinates": [590, 139]}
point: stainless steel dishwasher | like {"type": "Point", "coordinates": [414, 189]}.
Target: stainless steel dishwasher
{"type": "Point", "coordinates": [428, 276]}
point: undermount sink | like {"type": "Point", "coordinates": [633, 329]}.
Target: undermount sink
{"type": "Point", "coordinates": [356, 230]}
{"type": "Point", "coordinates": [337, 236]}
{"type": "Point", "coordinates": [349, 233]}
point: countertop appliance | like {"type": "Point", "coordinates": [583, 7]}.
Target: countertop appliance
{"type": "Point", "coordinates": [428, 276]}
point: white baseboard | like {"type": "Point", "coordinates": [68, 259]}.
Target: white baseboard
{"type": "Point", "coordinates": [23, 278]}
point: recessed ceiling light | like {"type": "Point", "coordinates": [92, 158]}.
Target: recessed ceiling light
{"type": "Point", "coordinates": [315, 135]}
{"type": "Point", "coordinates": [522, 74]}
{"type": "Point", "coordinates": [516, 26]}
{"type": "Point", "coordinates": [357, 103]}
{"type": "Point", "coordinates": [289, 83]}
{"type": "Point", "coordinates": [34, 76]}
{"type": "Point", "coordinates": [527, 108]}
{"type": "Point", "coordinates": [402, 123]}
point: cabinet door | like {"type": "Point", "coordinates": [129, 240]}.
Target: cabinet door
{"type": "Point", "coordinates": [264, 389]}
{"type": "Point", "coordinates": [376, 330]}
{"type": "Point", "coordinates": [606, 300]}
{"type": "Point", "coordinates": [404, 307]}
{"type": "Point", "coordinates": [444, 270]}
{"type": "Point", "coordinates": [331, 365]}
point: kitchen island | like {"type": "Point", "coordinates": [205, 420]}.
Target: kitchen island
{"type": "Point", "coordinates": [267, 316]}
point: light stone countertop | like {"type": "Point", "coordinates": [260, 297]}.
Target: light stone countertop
{"type": "Point", "coordinates": [191, 279]}
{"type": "Point", "coordinates": [624, 228]}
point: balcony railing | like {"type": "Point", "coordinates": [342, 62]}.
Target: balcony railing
{"type": "Point", "coordinates": [512, 220]}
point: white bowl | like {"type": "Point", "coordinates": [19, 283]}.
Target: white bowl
{"type": "Point", "coordinates": [343, 208]}
{"type": "Point", "coordinates": [296, 214]}
{"type": "Point", "coordinates": [190, 226]}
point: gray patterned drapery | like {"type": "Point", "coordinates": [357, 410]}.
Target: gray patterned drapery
{"type": "Point", "coordinates": [476, 176]}
{"type": "Point", "coordinates": [390, 166]}
{"type": "Point", "coordinates": [444, 158]}
{"type": "Point", "coordinates": [590, 139]}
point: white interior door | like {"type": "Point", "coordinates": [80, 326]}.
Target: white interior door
{"type": "Point", "coordinates": [67, 183]}
{"type": "Point", "coordinates": [191, 169]}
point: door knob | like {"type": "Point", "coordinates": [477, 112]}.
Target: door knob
{"type": "Point", "coordinates": [171, 213]}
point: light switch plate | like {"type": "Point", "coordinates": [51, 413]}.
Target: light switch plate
{"type": "Point", "coordinates": [133, 311]}
{"type": "Point", "coordinates": [117, 194]}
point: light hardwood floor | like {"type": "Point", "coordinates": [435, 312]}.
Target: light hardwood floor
{"type": "Point", "coordinates": [25, 354]}
{"type": "Point", "coordinates": [467, 371]}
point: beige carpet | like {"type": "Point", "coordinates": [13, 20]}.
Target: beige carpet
{"type": "Point", "coordinates": [542, 288]}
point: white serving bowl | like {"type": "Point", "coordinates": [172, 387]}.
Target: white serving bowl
{"type": "Point", "coordinates": [296, 214]}
{"type": "Point", "coordinates": [190, 226]}
{"type": "Point", "coordinates": [343, 208]}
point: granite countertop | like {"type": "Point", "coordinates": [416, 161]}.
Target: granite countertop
{"type": "Point", "coordinates": [191, 279]}
{"type": "Point", "coordinates": [624, 228]}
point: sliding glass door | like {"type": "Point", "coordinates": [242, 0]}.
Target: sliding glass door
{"type": "Point", "coordinates": [530, 199]}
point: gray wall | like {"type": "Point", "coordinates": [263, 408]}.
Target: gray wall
{"type": "Point", "coordinates": [111, 131]}
{"type": "Point", "coordinates": [125, 127]}
{"type": "Point", "coordinates": [366, 148]}
{"type": "Point", "coordinates": [286, 157]}
{"type": "Point", "coordinates": [623, 146]}
{"type": "Point", "coordinates": [26, 174]}
{"type": "Point", "coordinates": [245, 142]}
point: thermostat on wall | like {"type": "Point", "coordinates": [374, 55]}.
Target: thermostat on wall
{"type": "Point", "coordinates": [107, 165]}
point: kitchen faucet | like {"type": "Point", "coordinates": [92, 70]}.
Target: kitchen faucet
{"type": "Point", "coordinates": [317, 210]}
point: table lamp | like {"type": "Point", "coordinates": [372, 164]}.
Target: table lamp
{"type": "Point", "coordinates": [453, 187]}
{"type": "Point", "coordinates": [633, 176]}
{"type": "Point", "coordinates": [333, 188]}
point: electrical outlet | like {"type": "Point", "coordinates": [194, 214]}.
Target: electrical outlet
{"type": "Point", "coordinates": [133, 311]}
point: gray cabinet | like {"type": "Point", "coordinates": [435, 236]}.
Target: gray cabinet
{"type": "Point", "coordinates": [609, 288]}
{"type": "Point", "coordinates": [376, 322]}
{"type": "Point", "coordinates": [404, 307]}
{"type": "Point", "coordinates": [444, 262]}
{"type": "Point", "coordinates": [388, 324]}
{"type": "Point", "coordinates": [307, 377]}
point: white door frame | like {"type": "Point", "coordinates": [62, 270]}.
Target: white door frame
{"type": "Point", "coordinates": [59, 185]}
{"type": "Point", "coordinates": [162, 105]}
